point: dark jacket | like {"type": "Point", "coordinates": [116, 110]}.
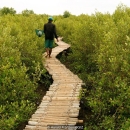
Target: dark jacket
{"type": "Point", "coordinates": [50, 31]}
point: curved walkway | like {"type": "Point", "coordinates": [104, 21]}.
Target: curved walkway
{"type": "Point", "coordinates": [60, 105]}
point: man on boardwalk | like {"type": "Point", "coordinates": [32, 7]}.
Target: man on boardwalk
{"type": "Point", "coordinates": [50, 33]}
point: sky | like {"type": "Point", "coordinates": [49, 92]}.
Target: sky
{"type": "Point", "coordinates": [58, 7]}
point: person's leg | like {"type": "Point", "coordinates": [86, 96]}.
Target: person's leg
{"type": "Point", "coordinates": [47, 51]}
{"type": "Point", "coordinates": [47, 47]}
{"type": "Point", "coordinates": [50, 51]}
{"type": "Point", "coordinates": [50, 47]}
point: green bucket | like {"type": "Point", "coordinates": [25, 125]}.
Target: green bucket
{"type": "Point", "coordinates": [39, 33]}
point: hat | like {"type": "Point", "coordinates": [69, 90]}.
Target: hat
{"type": "Point", "coordinates": [50, 18]}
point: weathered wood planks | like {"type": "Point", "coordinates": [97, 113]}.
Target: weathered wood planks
{"type": "Point", "coordinates": [60, 105]}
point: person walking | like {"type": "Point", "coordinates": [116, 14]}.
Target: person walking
{"type": "Point", "coordinates": [50, 33]}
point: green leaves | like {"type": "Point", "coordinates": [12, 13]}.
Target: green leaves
{"type": "Point", "coordinates": [101, 57]}
{"type": "Point", "coordinates": [6, 10]}
{"type": "Point", "coordinates": [20, 69]}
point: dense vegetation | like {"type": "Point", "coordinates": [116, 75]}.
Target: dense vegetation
{"type": "Point", "coordinates": [100, 46]}
{"type": "Point", "coordinates": [20, 68]}
{"type": "Point", "coordinates": [101, 57]}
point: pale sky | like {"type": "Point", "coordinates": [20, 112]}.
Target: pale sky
{"type": "Point", "coordinates": [57, 7]}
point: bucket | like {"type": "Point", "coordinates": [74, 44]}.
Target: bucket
{"type": "Point", "coordinates": [39, 33]}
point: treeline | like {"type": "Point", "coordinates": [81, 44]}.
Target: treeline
{"type": "Point", "coordinates": [12, 11]}
{"type": "Point", "coordinates": [26, 12]}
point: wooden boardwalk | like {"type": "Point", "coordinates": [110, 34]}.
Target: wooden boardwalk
{"type": "Point", "coordinates": [60, 105]}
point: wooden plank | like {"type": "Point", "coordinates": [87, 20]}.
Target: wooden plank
{"type": "Point", "coordinates": [58, 108]}
{"type": "Point", "coordinates": [30, 127]}
{"type": "Point", "coordinates": [60, 104]}
{"type": "Point", "coordinates": [46, 123]}
{"type": "Point", "coordinates": [60, 98]}
{"type": "Point", "coordinates": [65, 98]}
{"type": "Point", "coordinates": [53, 119]}
{"type": "Point", "coordinates": [55, 115]}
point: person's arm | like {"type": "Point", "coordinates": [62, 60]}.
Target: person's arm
{"type": "Point", "coordinates": [44, 28]}
{"type": "Point", "coordinates": [55, 33]}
